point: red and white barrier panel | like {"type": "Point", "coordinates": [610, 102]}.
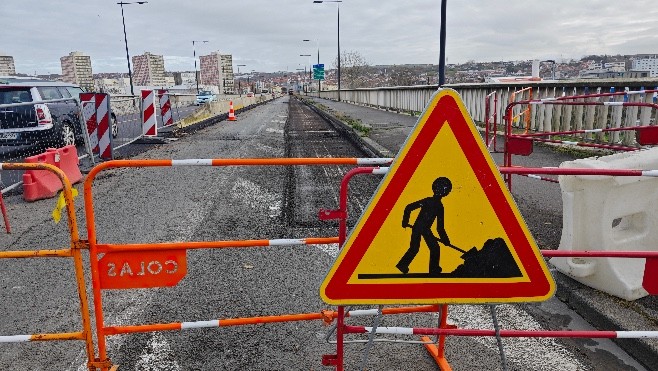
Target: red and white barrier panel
{"type": "Point", "coordinates": [95, 112]}
{"type": "Point", "coordinates": [88, 101]}
{"type": "Point", "coordinates": [149, 122]}
{"type": "Point", "coordinates": [165, 108]}
{"type": "Point", "coordinates": [103, 130]}
{"type": "Point", "coordinates": [503, 333]}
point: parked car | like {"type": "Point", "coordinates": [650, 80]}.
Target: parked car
{"type": "Point", "coordinates": [204, 96]}
{"type": "Point", "coordinates": [250, 95]}
{"type": "Point", "coordinates": [47, 124]}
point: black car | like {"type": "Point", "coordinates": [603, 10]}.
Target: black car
{"type": "Point", "coordinates": [46, 124]}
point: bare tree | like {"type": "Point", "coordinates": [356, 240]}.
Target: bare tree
{"type": "Point", "coordinates": [354, 70]}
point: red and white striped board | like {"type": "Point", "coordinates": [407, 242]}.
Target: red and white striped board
{"type": "Point", "coordinates": [165, 108]}
{"type": "Point", "coordinates": [103, 126]}
{"type": "Point", "coordinates": [149, 122]}
{"type": "Point", "coordinates": [87, 100]}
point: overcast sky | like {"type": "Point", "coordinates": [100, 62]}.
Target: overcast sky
{"type": "Point", "coordinates": [266, 35]}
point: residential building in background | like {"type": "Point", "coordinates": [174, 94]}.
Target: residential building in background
{"type": "Point", "coordinates": [646, 62]}
{"type": "Point", "coordinates": [76, 69]}
{"type": "Point", "coordinates": [217, 70]}
{"type": "Point", "coordinates": [148, 70]}
{"type": "Point", "coordinates": [7, 67]}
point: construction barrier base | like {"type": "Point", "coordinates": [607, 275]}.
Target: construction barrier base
{"type": "Point", "coordinates": [42, 184]}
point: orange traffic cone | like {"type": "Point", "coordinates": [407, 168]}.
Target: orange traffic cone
{"type": "Point", "coordinates": [231, 112]}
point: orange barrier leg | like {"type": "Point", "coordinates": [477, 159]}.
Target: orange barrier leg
{"type": "Point", "coordinates": [4, 214]}
{"type": "Point", "coordinates": [438, 352]}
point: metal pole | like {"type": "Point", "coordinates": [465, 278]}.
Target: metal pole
{"type": "Point", "coordinates": [125, 38]}
{"type": "Point", "coordinates": [442, 50]}
{"type": "Point", "coordinates": [338, 51]}
{"type": "Point", "coordinates": [319, 81]}
{"type": "Point", "coordinates": [196, 74]}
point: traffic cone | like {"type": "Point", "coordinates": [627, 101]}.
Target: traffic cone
{"type": "Point", "coordinates": [231, 112]}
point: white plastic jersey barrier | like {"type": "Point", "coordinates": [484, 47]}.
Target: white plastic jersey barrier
{"type": "Point", "coordinates": [610, 213]}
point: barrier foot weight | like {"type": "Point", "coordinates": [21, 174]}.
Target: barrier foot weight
{"type": "Point", "coordinates": [330, 360]}
{"type": "Point", "coordinates": [439, 357]}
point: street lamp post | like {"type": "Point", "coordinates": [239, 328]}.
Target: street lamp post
{"type": "Point", "coordinates": [196, 74]}
{"type": "Point", "coordinates": [338, 28]}
{"type": "Point", "coordinates": [317, 43]}
{"type": "Point", "coordinates": [125, 38]}
{"type": "Point", "coordinates": [309, 69]}
{"type": "Point", "coordinates": [304, 75]}
{"type": "Point", "coordinates": [442, 46]}
{"type": "Point", "coordinates": [239, 86]}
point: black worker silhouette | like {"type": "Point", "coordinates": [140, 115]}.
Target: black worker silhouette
{"type": "Point", "coordinates": [493, 260]}
{"type": "Point", "coordinates": [431, 209]}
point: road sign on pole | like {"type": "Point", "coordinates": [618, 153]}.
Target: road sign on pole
{"type": "Point", "coordinates": [443, 181]}
{"type": "Point", "coordinates": [318, 71]}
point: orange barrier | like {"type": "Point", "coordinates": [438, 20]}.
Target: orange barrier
{"type": "Point", "coordinates": [526, 113]}
{"type": "Point", "coordinates": [5, 217]}
{"type": "Point", "coordinates": [167, 261]}
{"type": "Point", "coordinates": [39, 184]}
{"type": "Point", "coordinates": [74, 251]}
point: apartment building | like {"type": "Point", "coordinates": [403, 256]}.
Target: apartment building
{"type": "Point", "coordinates": [76, 69]}
{"type": "Point", "coordinates": [646, 62]}
{"type": "Point", "coordinates": [148, 70]}
{"type": "Point", "coordinates": [217, 70]}
{"type": "Point", "coordinates": [7, 67]}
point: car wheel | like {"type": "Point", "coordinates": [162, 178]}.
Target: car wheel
{"type": "Point", "coordinates": [115, 126]}
{"type": "Point", "coordinates": [67, 135]}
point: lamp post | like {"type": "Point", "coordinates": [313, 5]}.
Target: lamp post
{"type": "Point", "coordinates": [338, 23]}
{"type": "Point", "coordinates": [125, 38]}
{"type": "Point", "coordinates": [239, 86]}
{"type": "Point", "coordinates": [317, 42]}
{"type": "Point", "coordinates": [442, 46]}
{"type": "Point", "coordinates": [196, 74]}
{"type": "Point", "coordinates": [309, 70]}
{"type": "Point", "coordinates": [303, 76]}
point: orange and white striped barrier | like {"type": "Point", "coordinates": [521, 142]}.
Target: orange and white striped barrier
{"type": "Point", "coordinates": [231, 112]}
{"type": "Point", "coordinates": [149, 122]}
{"type": "Point", "coordinates": [165, 108]}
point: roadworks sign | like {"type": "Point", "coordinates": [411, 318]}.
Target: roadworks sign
{"type": "Point", "coordinates": [441, 228]}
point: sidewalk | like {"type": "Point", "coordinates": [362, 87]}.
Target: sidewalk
{"type": "Point", "coordinates": [540, 203]}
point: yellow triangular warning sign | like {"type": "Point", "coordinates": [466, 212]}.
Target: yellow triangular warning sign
{"type": "Point", "coordinates": [441, 228]}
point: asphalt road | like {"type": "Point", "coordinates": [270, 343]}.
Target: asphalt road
{"type": "Point", "coordinates": [233, 203]}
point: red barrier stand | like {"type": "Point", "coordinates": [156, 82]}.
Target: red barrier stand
{"type": "Point", "coordinates": [69, 163]}
{"type": "Point", "coordinates": [41, 184]}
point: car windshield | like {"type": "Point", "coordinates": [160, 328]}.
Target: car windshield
{"type": "Point", "coordinates": [205, 93]}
